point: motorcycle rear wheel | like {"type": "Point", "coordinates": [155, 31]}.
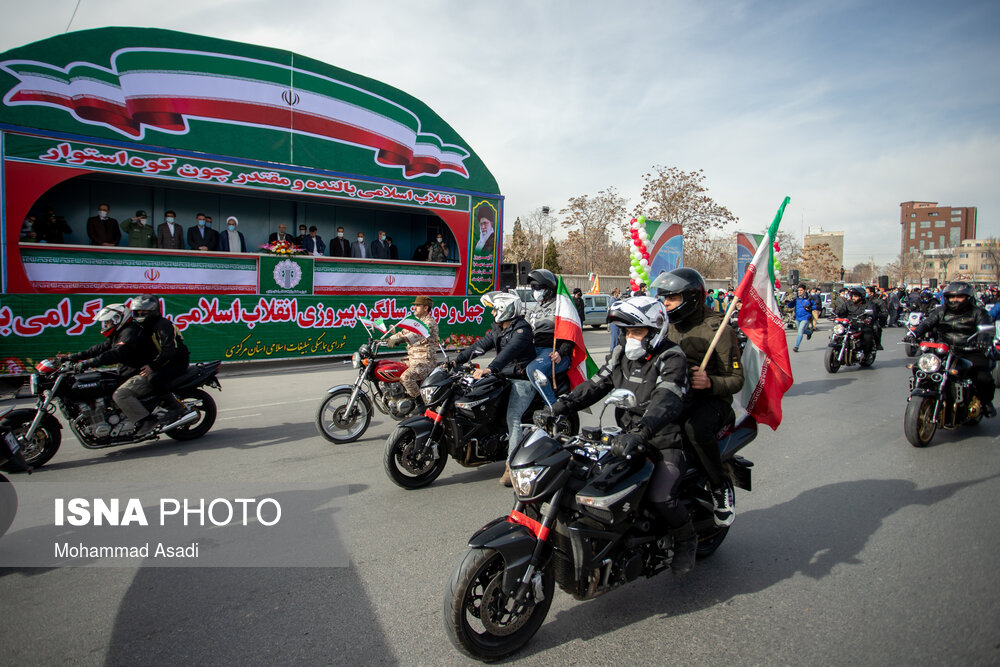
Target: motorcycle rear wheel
{"type": "Point", "coordinates": [195, 399]}
{"type": "Point", "coordinates": [710, 541]}
{"type": "Point", "coordinates": [477, 615]}
{"type": "Point", "coordinates": [830, 360]}
{"type": "Point", "coordinates": [402, 468]}
{"type": "Point", "coordinates": [918, 422]}
{"type": "Point", "coordinates": [8, 504]}
{"type": "Point", "coordinates": [43, 445]}
{"type": "Point", "coordinates": [330, 418]}
{"type": "Point", "coordinates": [868, 360]}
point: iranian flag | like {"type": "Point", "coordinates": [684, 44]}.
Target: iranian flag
{"type": "Point", "coordinates": [415, 327]}
{"type": "Point", "coordinates": [378, 325]}
{"type": "Point", "coordinates": [766, 366]}
{"type": "Point", "coordinates": [569, 327]}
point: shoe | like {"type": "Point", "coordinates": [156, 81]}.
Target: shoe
{"type": "Point", "coordinates": [989, 410]}
{"type": "Point", "coordinates": [724, 500]}
{"type": "Point", "coordinates": [505, 479]}
{"type": "Point", "coordinates": [685, 549]}
{"type": "Point", "coordinates": [144, 427]}
{"type": "Point", "coordinates": [795, 349]}
{"type": "Point", "coordinates": [878, 346]}
{"type": "Point", "coordinates": [809, 335]}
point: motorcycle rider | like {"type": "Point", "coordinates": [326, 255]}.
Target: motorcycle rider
{"type": "Point", "coordinates": [952, 324]}
{"type": "Point", "coordinates": [656, 371]}
{"type": "Point", "coordinates": [511, 337]}
{"type": "Point", "coordinates": [420, 350]}
{"type": "Point", "coordinates": [855, 307]}
{"type": "Point", "coordinates": [130, 348]}
{"type": "Point", "coordinates": [169, 360]}
{"type": "Point", "coordinates": [710, 405]}
{"type": "Point", "coordinates": [880, 314]}
{"type": "Point", "coordinates": [543, 325]}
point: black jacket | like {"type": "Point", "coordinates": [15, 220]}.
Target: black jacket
{"type": "Point", "coordinates": [850, 309]}
{"type": "Point", "coordinates": [660, 383]}
{"type": "Point", "coordinates": [129, 347]}
{"type": "Point", "coordinates": [513, 345]}
{"type": "Point", "coordinates": [954, 329]}
{"type": "Point", "coordinates": [543, 327]}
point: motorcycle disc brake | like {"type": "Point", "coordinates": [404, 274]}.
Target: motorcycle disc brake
{"type": "Point", "coordinates": [495, 611]}
{"type": "Point", "coordinates": [341, 421]}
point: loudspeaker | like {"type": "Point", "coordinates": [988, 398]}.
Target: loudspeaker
{"type": "Point", "coordinates": [883, 282]}
{"type": "Point", "coordinates": [793, 277]}
{"type": "Point", "coordinates": [508, 276]}
{"type": "Point", "coordinates": [933, 284]}
{"type": "Point", "coordinates": [523, 269]}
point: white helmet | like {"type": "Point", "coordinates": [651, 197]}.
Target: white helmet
{"type": "Point", "coordinates": [111, 317]}
{"type": "Point", "coordinates": [642, 311]}
{"type": "Point", "coordinates": [508, 306]}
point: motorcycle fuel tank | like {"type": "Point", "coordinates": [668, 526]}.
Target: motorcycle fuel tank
{"type": "Point", "coordinates": [616, 491]}
{"type": "Point", "coordinates": [387, 370]}
{"type": "Point", "coordinates": [88, 386]}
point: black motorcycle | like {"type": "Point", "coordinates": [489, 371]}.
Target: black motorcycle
{"type": "Point", "coordinates": [10, 459]}
{"type": "Point", "coordinates": [913, 319]}
{"type": "Point", "coordinates": [941, 392]}
{"type": "Point", "coordinates": [579, 521]}
{"type": "Point", "coordinates": [464, 418]}
{"type": "Point", "coordinates": [846, 346]}
{"type": "Point", "coordinates": [84, 399]}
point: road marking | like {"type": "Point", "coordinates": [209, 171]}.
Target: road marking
{"type": "Point", "coordinates": [267, 405]}
{"type": "Point", "coordinates": [255, 414]}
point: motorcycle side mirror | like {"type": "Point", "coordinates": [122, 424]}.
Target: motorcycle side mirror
{"type": "Point", "coordinates": [622, 398]}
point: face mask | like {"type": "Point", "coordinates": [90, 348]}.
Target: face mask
{"type": "Point", "coordinates": [141, 221]}
{"type": "Point", "coordinates": [381, 237]}
{"type": "Point", "coordinates": [102, 214]}
{"type": "Point", "coordinates": [169, 219]}
{"type": "Point", "coordinates": [361, 239]}
{"type": "Point", "coordinates": [302, 232]}
{"type": "Point", "coordinates": [231, 228]}
{"type": "Point", "coordinates": [538, 294]}
{"type": "Point", "coordinates": [201, 223]}
{"type": "Point", "coordinates": [440, 239]}
{"type": "Point", "coordinates": [635, 349]}
{"type": "Point", "coordinates": [340, 235]}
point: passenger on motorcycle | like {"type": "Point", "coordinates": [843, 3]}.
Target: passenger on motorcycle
{"type": "Point", "coordinates": [710, 406]}
{"type": "Point", "coordinates": [543, 325]}
{"type": "Point", "coordinates": [855, 307]}
{"type": "Point", "coordinates": [420, 350]}
{"type": "Point", "coordinates": [880, 314]}
{"type": "Point", "coordinates": [129, 347]}
{"type": "Point", "coordinates": [512, 339]}
{"type": "Point", "coordinates": [656, 371]}
{"type": "Point", "coordinates": [952, 324]}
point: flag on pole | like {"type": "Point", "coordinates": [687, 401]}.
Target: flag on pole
{"type": "Point", "coordinates": [766, 367]}
{"type": "Point", "coordinates": [414, 326]}
{"type": "Point", "coordinates": [569, 327]}
{"type": "Point", "coordinates": [596, 289]}
{"type": "Point", "coordinates": [378, 325]}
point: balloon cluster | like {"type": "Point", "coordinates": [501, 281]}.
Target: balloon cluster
{"type": "Point", "coordinates": [639, 272]}
{"type": "Point", "coordinates": [777, 266]}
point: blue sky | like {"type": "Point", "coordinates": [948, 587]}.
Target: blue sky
{"type": "Point", "coordinates": [848, 107]}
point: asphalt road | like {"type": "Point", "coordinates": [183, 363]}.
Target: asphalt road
{"type": "Point", "coordinates": [853, 548]}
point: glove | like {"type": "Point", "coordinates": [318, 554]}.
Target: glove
{"type": "Point", "coordinates": [561, 407]}
{"type": "Point", "coordinates": [80, 366]}
{"type": "Point", "coordinates": [629, 445]}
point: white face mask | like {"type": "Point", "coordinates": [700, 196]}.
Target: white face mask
{"type": "Point", "coordinates": [170, 219]}
{"type": "Point", "coordinates": [538, 294]}
{"type": "Point", "coordinates": [102, 214]}
{"type": "Point", "coordinates": [340, 235]}
{"type": "Point", "coordinates": [361, 239]}
{"type": "Point", "coordinates": [440, 239]}
{"type": "Point", "coordinates": [381, 237]}
{"type": "Point", "coordinates": [634, 349]}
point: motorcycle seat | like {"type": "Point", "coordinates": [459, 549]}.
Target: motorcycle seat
{"type": "Point", "coordinates": [195, 373]}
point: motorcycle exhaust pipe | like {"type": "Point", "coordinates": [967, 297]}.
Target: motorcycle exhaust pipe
{"type": "Point", "coordinates": [186, 419]}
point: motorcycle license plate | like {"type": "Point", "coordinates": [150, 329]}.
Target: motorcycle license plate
{"type": "Point", "coordinates": [11, 439]}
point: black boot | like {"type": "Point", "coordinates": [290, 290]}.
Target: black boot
{"type": "Point", "coordinates": [685, 548]}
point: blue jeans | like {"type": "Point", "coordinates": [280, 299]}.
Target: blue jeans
{"type": "Point", "coordinates": [613, 329]}
{"type": "Point", "coordinates": [804, 326]}
{"type": "Point", "coordinates": [521, 395]}
{"type": "Point", "coordinates": [544, 364]}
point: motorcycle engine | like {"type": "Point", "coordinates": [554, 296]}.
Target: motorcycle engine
{"type": "Point", "coordinates": [97, 419]}
{"type": "Point", "coordinates": [398, 402]}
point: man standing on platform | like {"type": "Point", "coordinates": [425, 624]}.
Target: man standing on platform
{"type": "Point", "coordinates": [102, 229]}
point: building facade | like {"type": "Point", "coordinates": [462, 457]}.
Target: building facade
{"type": "Point", "coordinates": [835, 240]}
{"type": "Point", "coordinates": [927, 226]}
{"type": "Point", "coordinates": [974, 260]}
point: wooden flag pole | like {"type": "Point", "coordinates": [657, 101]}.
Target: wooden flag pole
{"type": "Point", "coordinates": [718, 333]}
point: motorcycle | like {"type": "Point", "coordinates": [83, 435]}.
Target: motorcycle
{"type": "Point", "coordinates": [912, 320]}
{"type": "Point", "coordinates": [465, 418]}
{"type": "Point", "coordinates": [10, 459]}
{"type": "Point", "coordinates": [346, 413]}
{"type": "Point", "coordinates": [84, 399]}
{"type": "Point", "coordinates": [941, 392]}
{"type": "Point", "coordinates": [579, 520]}
{"type": "Point", "coordinates": [845, 347]}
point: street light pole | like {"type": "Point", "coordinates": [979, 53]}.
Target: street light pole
{"type": "Point", "coordinates": [545, 216]}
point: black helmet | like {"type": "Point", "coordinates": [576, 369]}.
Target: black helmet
{"type": "Point", "coordinates": [858, 292]}
{"type": "Point", "coordinates": [543, 279]}
{"type": "Point", "coordinates": [686, 282]}
{"type": "Point", "coordinates": [958, 288]}
{"type": "Point", "coordinates": [145, 306]}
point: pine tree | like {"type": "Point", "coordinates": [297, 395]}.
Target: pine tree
{"type": "Point", "coordinates": [518, 248]}
{"type": "Point", "coordinates": [552, 257]}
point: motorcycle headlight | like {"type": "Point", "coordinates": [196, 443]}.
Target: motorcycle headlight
{"type": "Point", "coordinates": [427, 393]}
{"type": "Point", "coordinates": [839, 329]}
{"type": "Point", "coordinates": [356, 360]}
{"type": "Point", "coordinates": [929, 363]}
{"type": "Point", "coordinates": [524, 480]}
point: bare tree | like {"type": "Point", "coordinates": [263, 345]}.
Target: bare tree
{"type": "Point", "coordinates": [790, 250]}
{"type": "Point", "coordinates": [594, 225]}
{"type": "Point", "coordinates": [516, 247]}
{"type": "Point", "coordinates": [861, 273]}
{"type": "Point", "coordinates": [895, 272]}
{"type": "Point", "coordinates": [820, 263]}
{"type": "Point", "coordinates": [991, 251]}
{"type": "Point", "coordinates": [538, 226]}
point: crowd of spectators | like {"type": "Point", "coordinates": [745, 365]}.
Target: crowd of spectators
{"type": "Point", "coordinates": [140, 232]}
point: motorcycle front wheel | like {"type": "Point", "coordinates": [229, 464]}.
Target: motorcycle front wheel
{"type": "Point", "coordinates": [335, 424]}
{"type": "Point", "coordinates": [830, 360]}
{"type": "Point", "coordinates": [403, 463]}
{"type": "Point", "coordinates": [911, 350]}
{"type": "Point", "coordinates": [8, 504]}
{"type": "Point", "coordinates": [918, 421]}
{"type": "Point", "coordinates": [479, 619]}
{"type": "Point", "coordinates": [195, 399]}
{"type": "Point", "coordinates": [44, 444]}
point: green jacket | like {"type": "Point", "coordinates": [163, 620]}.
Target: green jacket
{"type": "Point", "coordinates": [139, 236]}
{"type": "Point", "coordinates": [724, 368]}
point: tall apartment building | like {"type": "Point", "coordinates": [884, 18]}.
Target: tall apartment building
{"type": "Point", "coordinates": [926, 226]}
{"type": "Point", "coordinates": [835, 240]}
